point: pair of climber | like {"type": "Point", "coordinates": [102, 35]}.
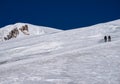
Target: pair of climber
{"type": "Point", "coordinates": [107, 38]}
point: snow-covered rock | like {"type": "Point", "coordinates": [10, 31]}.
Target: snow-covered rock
{"type": "Point", "coordinates": [32, 30]}
{"type": "Point", "coordinates": [77, 56]}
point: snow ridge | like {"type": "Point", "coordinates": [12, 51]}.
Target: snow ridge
{"type": "Point", "coordinates": [19, 30]}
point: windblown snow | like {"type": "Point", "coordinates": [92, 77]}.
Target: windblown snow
{"type": "Point", "coordinates": [77, 56]}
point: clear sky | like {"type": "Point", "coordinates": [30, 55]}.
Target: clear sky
{"type": "Point", "coordinates": [61, 14]}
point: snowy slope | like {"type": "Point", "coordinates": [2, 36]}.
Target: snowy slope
{"type": "Point", "coordinates": [78, 56]}
{"type": "Point", "coordinates": [32, 30]}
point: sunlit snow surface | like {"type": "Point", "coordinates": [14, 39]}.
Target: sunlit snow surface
{"type": "Point", "coordinates": [78, 56]}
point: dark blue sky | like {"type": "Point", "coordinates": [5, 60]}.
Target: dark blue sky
{"type": "Point", "coordinates": [63, 14]}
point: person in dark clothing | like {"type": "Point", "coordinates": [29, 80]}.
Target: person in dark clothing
{"type": "Point", "coordinates": [105, 38]}
{"type": "Point", "coordinates": [109, 38]}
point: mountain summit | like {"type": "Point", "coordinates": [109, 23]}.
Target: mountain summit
{"type": "Point", "coordinates": [24, 29]}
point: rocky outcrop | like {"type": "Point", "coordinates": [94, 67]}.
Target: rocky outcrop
{"type": "Point", "coordinates": [24, 30]}
{"type": "Point", "coordinates": [15, 32]}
